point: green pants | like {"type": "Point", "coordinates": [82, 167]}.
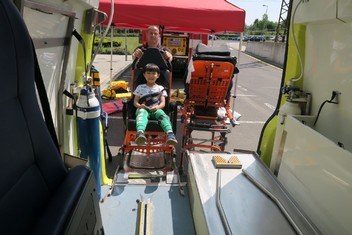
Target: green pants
{"type": "Point", "coordinates": [143, 116]}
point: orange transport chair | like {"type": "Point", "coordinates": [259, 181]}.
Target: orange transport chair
{"type": "Point", "coordinates": [155, 154]}
{"type": "Point", "coordinates": [207, 107]}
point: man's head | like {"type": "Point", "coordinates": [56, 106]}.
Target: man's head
{"type": "Point", "coordinates": [153, 36]}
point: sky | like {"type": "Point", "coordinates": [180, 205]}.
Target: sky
{"type": "Point", "coordinates": [255, 9]}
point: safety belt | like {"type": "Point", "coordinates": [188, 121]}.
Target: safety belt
{"type": "Point", "coordinates": [44, 100]}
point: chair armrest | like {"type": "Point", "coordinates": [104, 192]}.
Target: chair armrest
{"type": "Point", "coordinates": [66, 210]}
{"type": "Point", "coordinates": [125, 104]}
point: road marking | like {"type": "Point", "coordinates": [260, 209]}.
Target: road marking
{"type": "Point", "coordinates": [121, 118]}
{"type": "Point", "coordinates": [115, 117]}
{"type": "Point", "coordinates": [252, 122]}
{"type": "Point", "coordinates": [270, 106]}
{"type": "Point", "coordinates": [242, 95]}
{"type": "Point", "coordinates": [242, 88]}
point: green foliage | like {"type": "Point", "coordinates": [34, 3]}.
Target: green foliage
{"type": "Point", "coordinates": [118, 45]}
{"type": "Point", "coordinates": [115, 51]}
{"type": "Point", "coordinates": [107, 42]}
{"type": "Point", "coordinates": [261, 27]}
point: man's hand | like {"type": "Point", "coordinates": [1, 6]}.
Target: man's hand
{"type": "Point", "coordinates": [167, 56]}
{"type": "Point", "coordinates": [137, 54]}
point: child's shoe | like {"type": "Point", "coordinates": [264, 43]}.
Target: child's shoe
{"type": "Point", "coordinates": [140, 138]}
{"type": "Point", "coordinates": [171, 139]}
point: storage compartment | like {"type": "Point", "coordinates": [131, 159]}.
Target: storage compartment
{"type": "Point", "coordinates": [307, 11]}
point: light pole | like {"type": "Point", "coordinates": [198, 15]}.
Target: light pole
{"type": "Point", "coordinates": [265, 19]}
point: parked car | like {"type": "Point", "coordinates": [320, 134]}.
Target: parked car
{"type": "Point", "coordinates": [257, 39]}
{"type": "Point", "coordinates": [235, 38]}
{"type": "Point", "coordinates": [244, 39]}
{"type": "Point", "coordinates": [270, 38]}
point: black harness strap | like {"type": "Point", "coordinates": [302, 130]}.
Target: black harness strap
{"type": "Point", "coordinates": [44, 100]}
{"type": "Point", "coordinates": [151, 99]}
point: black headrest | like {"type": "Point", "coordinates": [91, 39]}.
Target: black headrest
{"type": "Point", "coordinates": [152, 55]}
{"type": "Point", "coordinates": [222, 50]}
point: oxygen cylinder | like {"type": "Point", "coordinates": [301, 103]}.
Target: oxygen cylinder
{"type": "Point", "coordinates": [88, 124]}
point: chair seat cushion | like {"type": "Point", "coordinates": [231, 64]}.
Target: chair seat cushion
{"type": "Point", "coordinates": [60, 208]}
{"type": "Point", "coordinates": [206, 111]}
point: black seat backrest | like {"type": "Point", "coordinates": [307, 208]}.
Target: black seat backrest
{"type": "Point", "coordinates": [221, 50]}
{"type": "Point", "coordinates": [231, 59]}
{"type": "Point", "coordinates": [217, 53]}
{"type": "Point", "coordinates": [152, 55]}
{"type": "Point", "coordinates": [32, 173]}
{"type": "Point", "coordinates": [28, 154]}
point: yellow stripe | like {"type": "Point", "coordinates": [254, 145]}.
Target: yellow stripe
{"type": "Point", "coordinates": [141, 217]}
{"type": "Point", "coordinates": [103, 177]}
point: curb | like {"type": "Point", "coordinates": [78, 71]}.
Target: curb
{"type": "Point", "coordinates": [116, 76]}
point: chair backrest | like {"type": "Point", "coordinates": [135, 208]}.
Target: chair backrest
{"type": "Point", "coordinates": [38, 195]}
{"type": "Point", "coordinates": [214, 69]}
{"type": "Point", "coordinates": [210, 82]}
{"type": "Point", "coordinates": [30, 165]}
{"type": "Point", "coordinates": [152, 55]}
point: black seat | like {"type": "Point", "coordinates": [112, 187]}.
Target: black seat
{"type": "Point", "coordinates": [38, 195]}
{"type": "Point", "coordinates": [151, 55]}
{"type": "Point", "coordinates": [216, 53]}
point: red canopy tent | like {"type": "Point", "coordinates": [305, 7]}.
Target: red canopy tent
{"type": "Point", "coordinates": [198, 16]}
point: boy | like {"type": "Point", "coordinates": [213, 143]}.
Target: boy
{"type": "Point", "coordinates": [153, 106]}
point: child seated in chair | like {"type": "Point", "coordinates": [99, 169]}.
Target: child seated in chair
{"type": "Point", "coordinates": [149, 99]}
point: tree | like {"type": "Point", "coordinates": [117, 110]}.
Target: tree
{"type": "Point", "coordinates": [261, 27]}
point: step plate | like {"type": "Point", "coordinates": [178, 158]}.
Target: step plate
{"type": "Point", "coordinates": [233, 162]}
